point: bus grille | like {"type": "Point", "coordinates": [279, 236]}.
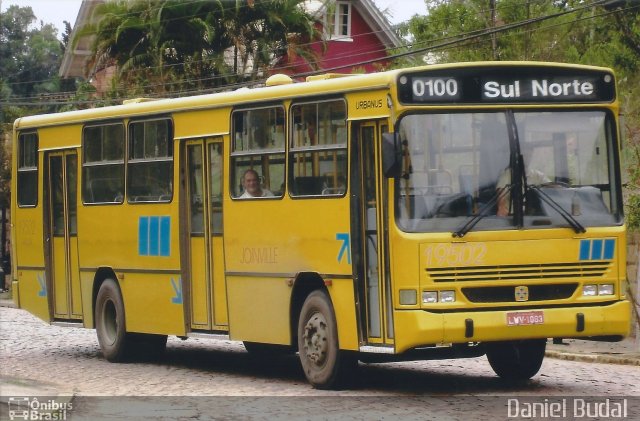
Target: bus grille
{"type": "Point", "coordinates": [519, 272]}
{"type": "Point", "coordinates": [506, 294]}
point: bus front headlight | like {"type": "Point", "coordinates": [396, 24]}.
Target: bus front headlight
{"type": "Point", "coordinates": [447, 296]}
{"type": "Point", "coordinates": [429, 297]}
{"type": "Point", "coordinates": [589, 290]}
{"type": "Point", "coordinates": [605, 289]}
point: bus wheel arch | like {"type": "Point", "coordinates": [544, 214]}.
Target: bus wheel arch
{"type": "Point", "coordinates": [101, 275]}
{"type": "Point", "coordinates": [303, 285]}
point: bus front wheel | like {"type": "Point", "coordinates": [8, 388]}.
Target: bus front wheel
{"type": "Point", "coordinates": [110, 322]}
{"type": "Point", "coordinates": [516, 360]}
{"type": "Point", "coordinates": [324, 365]}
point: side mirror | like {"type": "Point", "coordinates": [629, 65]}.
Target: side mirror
{"type": "Point", "coordinates": [391, 155]}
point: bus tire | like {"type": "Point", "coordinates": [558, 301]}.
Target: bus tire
{"type": "Point", "coordinates": [324, 365]}
{"type": "Point", "coordinates": [114, 341]}
{"type": "Point", "coordinates": [516, 360]}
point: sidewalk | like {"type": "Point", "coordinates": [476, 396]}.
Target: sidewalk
{"type": "Point", "coordinates": [625, 352]}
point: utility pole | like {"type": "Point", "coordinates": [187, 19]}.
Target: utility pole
{"type": "Point", "coordinates": [494, 41]}
{"type": "Point", "coordinates": [527, 33]}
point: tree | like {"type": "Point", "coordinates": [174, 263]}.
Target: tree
{"type": "Point", "coordinates": [172, 46]}
{"type": "Point", "coordinates": [29, 58]}
{"type": "Point", "coordinates": [29, 62]}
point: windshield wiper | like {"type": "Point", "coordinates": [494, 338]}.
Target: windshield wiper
{"type": "Point", "coordinates": [482, 212]}
{"type": "Point", "coordinates": [577, 227]}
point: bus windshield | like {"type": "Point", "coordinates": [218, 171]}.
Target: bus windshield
{"type": "Point", "coordinates": [505, 169]}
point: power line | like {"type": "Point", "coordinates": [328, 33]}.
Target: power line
{"type": "Point", "coordinates": [309, 44]}
{"type": "Point", "coordinates": [472, 35]}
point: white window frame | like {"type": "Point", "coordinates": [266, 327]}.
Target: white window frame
{"type": "Point", "coordinates": [336, 34]}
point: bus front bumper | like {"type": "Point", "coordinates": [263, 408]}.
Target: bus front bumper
{"type": "Point", "coordinates": [417, 328]}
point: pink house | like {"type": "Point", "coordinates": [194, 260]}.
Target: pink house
{"type": "Point", "coordinates": [357, 38]}
{"type": "Point", "coordinates": [356, 35]}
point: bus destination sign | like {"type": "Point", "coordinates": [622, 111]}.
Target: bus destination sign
{"type": "Point", "coordinates": [515, 84]}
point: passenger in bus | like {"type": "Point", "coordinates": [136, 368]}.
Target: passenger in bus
{"type": "Point", "coordinates": [252, 187]}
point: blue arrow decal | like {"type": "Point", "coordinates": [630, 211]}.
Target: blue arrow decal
{"type": "Point", "coordinates": [43, 286]}
{"type": "Point", "coordinates": [346, 240]}
{"type": "Point", "coordinates": [177, 288]}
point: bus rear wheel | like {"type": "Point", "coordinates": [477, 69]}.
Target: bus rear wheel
{"type": "Point", "coordinates": [114, 341]}
{"type": "Point", "coordinates": [516, 360]}
{"type": "Point", "coordinates": [324, 365]}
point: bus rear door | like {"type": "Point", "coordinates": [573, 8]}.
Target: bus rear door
{"type": "Point", "coordinates": [61, 231]}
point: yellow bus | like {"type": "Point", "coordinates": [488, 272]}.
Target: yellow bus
{"type": "Point", "coordinates": [444, 211]}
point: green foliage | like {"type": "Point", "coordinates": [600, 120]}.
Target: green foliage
{"type": "Point", "coordinates": [633, 212]}
{"type": "Point", "coordinates": [171, 46]}
{"type": "Point", "coordinates": [5, 174]}
{"type": "Point", "coordinates": [29, 61]}
{"type": "Point", "coordinates": [29, 57]}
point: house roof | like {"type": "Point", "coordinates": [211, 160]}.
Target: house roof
{"type": "Point", "coordinates": [74, 59]}
{"type": "Point", "coordinates": [369, 12]}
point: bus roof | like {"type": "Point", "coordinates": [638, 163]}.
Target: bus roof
{"type": "Point", "coordinates": [314, 86]}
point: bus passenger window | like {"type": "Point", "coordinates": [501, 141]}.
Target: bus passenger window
{"type": "Point", "coordinates": [103, 163]}
{"type": "Point", "coordinates": [27, 169]}
{"type": "Point", "coordinates": [257, 156]}
{"type": "Point", "coordinates": [318, 149]}
{"type": "Point", "coordinates": [150, 161]}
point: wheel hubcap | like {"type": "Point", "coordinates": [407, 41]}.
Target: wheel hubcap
{"type": "Point", "coordinates": [110, 321]}
{"type": "Point", "coordinates": [315, 339]}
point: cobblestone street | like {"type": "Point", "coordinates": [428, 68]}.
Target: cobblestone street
{"type": "Point", "coordinates": [67, 361]}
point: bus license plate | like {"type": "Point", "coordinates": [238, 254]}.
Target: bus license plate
{"type": "Point", "coordinates": [519, 318]}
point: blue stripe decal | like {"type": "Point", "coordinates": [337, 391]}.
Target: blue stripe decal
{"type": "Point", "coordinates": [165, 235]}
{"type": "Point", "coordinates": [609, 247]}
{"type": "Point", "coordinates": [143, 236]}
{"type": "Point", "coordinates": [596, 250]}
{"type": "Point", "coordinates": [585, 249]}
{"type": "Point", "coordinates": [154, 236]}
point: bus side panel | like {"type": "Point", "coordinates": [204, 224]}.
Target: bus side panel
{"type": "Point", "coordinates": [29, 258]}
{"type": "Point", "coordinates": [110, 236]}
{"type": "Point", "coordinates": [268, 242]}
{"type": "Point", "coordinates": [32, 292]}
{"type": "Point", "coordinates": [86, 290]}
{"type": "Point", "coordinates": [259, 309]}
{"type": "Point", "coordinates": [202, 123]}
{"type": "Point", "coordinates": [153, 303]}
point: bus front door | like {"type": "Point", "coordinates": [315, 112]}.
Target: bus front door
{"type": "Point", "coordinates": [61, 230]}
{"type": "Point", "coordinates": [205, 269]}
{"type": "Point", "coordinates": [376, 291]}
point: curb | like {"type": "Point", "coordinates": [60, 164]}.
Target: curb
{"type": "Point", "coordinates": [594, 358]}
{"type": "Point", "coordinates": [7, 302]}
